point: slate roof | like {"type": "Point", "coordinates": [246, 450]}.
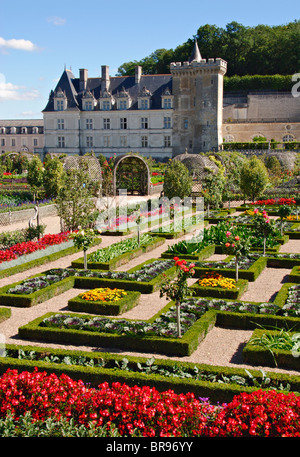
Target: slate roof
{"type": "Point", "coordinates": [70, 85]}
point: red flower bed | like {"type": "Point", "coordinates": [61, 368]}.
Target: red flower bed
{"type": "Point", "coordinates": [143, 408]}
{"type": "Point", "coordinates": [27, 247]}
{"type": "Point", "coordinates": [273, 201]}
{"type": "Point", "coordinates": [152, 413]}
{"type": "Point", "coordinates": [266, 414]}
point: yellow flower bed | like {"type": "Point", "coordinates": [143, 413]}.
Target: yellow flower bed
{"type": "Point", "coordinates": [103, 294]}
{"type": "Point", "coordinates": [217, 280]}
{"type": "Point", "coordinates": [291, 218]}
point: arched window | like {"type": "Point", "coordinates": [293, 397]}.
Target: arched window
{"type": "Point", "coordinates": [229, 138]}
{"type": "Point", "coordinates": [288, 137]}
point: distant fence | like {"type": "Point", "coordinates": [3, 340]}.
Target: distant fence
{"type": "Point", "coordinates": [11, 217]}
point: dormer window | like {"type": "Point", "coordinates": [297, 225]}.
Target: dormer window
{"type": "Point", "coordinates": [60, 100]}
{"type": "Point", "coordinates": [106, 101]}
{"type": "Point", "coordinates": [13, 130]}
{"type": "Point", "coordinates": [2, 130]}
{"type": "Point", "coordinates": [24, 130]}
{"type": "Point", "coordinates": [144, 99]}
{"type": "Point", "coordinates": [123, 100]}
{"type": "Point", "coordinates": [88, 101]}
{"type": "Point", "coordinates": [35, 130]}
{"type": "Point", "coordinates": [167, 99]}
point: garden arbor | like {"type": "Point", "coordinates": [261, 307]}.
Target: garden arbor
{"type": "Point", "coordinates": [199, 167]}
{"type": "Point", "coordinates": [88, 163]}
{"type": "Point", "coordinates": [131, 172]}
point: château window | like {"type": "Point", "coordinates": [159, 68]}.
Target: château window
{"type": "Point", "coordinates": [144, 123]}
{"type": "Point", "coordinates": [106, 105]}
{"type": "Point", "coordinates": [106, 141]}
{"type": "Point", "coordinates": [167, 103]}
{"type": "Point", "coordinates": [13, 142]}
{"type": "Point", "coordinates": [144, 141]}
{"type": "Point", "coordinates": [60, 124]}
{"type": "Point", "coordinates": [88, 106]}
{"type": "Point", "coordinates": [123, 141]}
{"type": "Point", "coordinates": [60, 105]}
{"type": "Point", "coordinates": [144, 103]}
{"type": "Point", "coordinates": [2, 142]}
{"type": "Point", "coordinates": [167, 122]}
{"type": "Point", "coordinates": [186, 124]}
{"type": "Point", "coordinates": [61, 141]}
{"type": "Point", "coordinates": [89, 124]}
{"type": "Point", "coordinates": [123, 104]}
{"type": "Point", "coordinates": [35, 142]}
{"type": "Point", "coordinates": [106, 124]}
{"type": "Point", "coordinates": [167, 141]}
{"type": "Point", "coordinates": [288, 138]}
{"type": "Point", "coordinates": [123, 123]}
{"type": "Point", "coordinates": [89, 141]}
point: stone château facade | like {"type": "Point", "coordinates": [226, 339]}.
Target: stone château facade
{"type": "Point", "coordinates": [159, 115]}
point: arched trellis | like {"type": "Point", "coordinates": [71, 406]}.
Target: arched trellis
{"type": "Point", "coordinates": [131, 172]}
{"type": "Point", "coordinates": [88, 163]}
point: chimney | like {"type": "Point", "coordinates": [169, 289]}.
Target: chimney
{"type": "Point", "coordinates": [83, 78]}
{"type": "Point", "coordinates": [138, 74]}
{"type": "Point", "coordinates": [105, 77]}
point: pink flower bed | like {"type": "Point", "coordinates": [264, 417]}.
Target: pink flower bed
{"type": "Point", "coordinates": [27, 247]}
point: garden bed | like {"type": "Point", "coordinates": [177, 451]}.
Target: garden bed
{"type": "Point", "coordinates": [125, 334]}
{"type": "Point", "coordinates": [144, 278]}
{"type": "Point", "coordinates": [46, 258]}
{"type": "Point", "coordinates": [219, 292]}
{"type": "Point", "coordinates": [251, 273]}
{"type": "Point", "coordinates": [44, 292]}
{"type": "Point", "coordinates": [256, 354]}
{"type": "Point", "coordinates": [113, 308]}
{"type": "Point", "coordinates": [127, 253]}
{"type": "Point", "coordinates": [204, 253]}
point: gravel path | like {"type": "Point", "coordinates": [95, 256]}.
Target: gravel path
{"type": "Point", "coordinates": [221, 347]}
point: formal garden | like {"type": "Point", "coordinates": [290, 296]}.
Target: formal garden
{"type": "Point", "coordinates": [103, 323]}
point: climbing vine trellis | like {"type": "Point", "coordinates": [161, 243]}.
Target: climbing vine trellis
{"type": "Point", "coordinates": [131, 172]}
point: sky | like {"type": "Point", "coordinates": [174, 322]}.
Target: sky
{"type": "Point", "coordinates": [39, 38]}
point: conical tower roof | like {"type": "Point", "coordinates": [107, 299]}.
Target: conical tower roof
{"type": "Point", "coordinates": [196, 56]}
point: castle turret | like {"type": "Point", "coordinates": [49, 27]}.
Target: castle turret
{"type": "Point", "coordinates": [198, 103]}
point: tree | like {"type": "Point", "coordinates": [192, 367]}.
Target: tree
{"type": "Point", "coordinates": [75, 204]}
{"type": "Point", "coordinates": [212, 188]}
{"type": "Point", "coordinates": [35, 176]}
{"type": "Point", "coordinates": [177, 182]}
{"type": "Point", "coordinates": [52, 178]}
{"type": "Point", "coordinates": [254, 178]}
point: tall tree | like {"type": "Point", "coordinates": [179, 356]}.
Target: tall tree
{"type": "Point", "coordinates": [254, 178]}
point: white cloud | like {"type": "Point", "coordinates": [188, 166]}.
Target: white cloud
{"type": "Point", "coordinates": [9, 91]}
{"type": "Point", "coordinates": [56, 20]}
{"type": "Point", "coordinates": [23, 45]}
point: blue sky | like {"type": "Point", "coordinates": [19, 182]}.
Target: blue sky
{"type": "Point", "coordinates": [38, 38]}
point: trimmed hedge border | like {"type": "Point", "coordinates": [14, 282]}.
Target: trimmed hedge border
{"type": "Point", "coordinates": [219, 292]}
{"type": "Point", "coordinates": [257, 355]}
{"type": "Point", "coordinates": [217, 392]}
{"type": "Point", "coordinates": [5, 313]}
{"type": "Point", "coordinates": [202, 255]}
{"type": "Point", "coordinates": [39, 296]}
{"type": "Point", "coordinates": [294, 275]}
{"type": "Point", "coordinates": [251, 274]}
{"type": "Point", "coordinates": [42, 260]}
{"type": "Point", "coordinates": [119, 260]}
{"type": "Point", "coordinates": [105, 307]}
{"type": "Point", "coordinates": [162, 345]}
{"type": "Point", "coordinates": [81, 282]}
